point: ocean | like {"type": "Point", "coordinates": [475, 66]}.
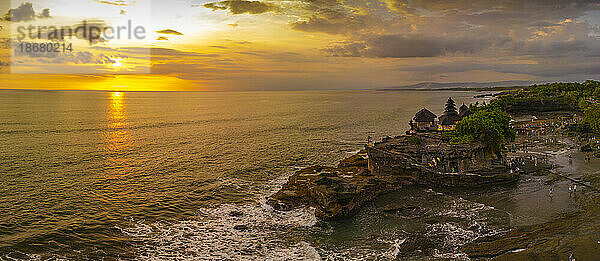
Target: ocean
{"type": "Point", "coordinates": [167, 175]}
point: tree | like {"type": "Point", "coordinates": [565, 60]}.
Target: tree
{"type": "Point", "coordinates": [488, 124]}
{"type": "Point", "coordinates": [592, 117]}
{"type": "Point", "coordinates": [596, 93]}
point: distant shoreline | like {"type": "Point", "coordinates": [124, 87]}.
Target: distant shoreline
{"type": "Point", "coordinates": [473, 89]}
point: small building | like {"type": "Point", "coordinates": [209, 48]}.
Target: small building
{"type": "Point", "coordinates": [424, 120]}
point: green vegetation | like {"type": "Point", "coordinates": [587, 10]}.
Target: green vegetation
{"type": "Point", "coordinates": [592, 117]}
{"type": "Point", "coordinates": [415, 140]}
{"type": "Point", "coordinates": [488, 124]}
{"type": "Point", "coordinates": [574, 96]}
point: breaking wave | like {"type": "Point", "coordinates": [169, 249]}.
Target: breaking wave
{"type": "Point", "coordinates": [250, 232]}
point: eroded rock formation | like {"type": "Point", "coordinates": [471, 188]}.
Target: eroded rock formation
{"type": "Point", "coordinates": [336, 192]}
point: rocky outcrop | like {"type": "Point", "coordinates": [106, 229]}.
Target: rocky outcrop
{"type": "Point", "coordinates": [432, 162]}
{"type": "Point", "coordinates": [337, 192]}
{"type": "Point", "coordinates": [333, 192]}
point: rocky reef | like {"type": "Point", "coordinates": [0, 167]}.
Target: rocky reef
{"type": "Point", "coordinates": [420, 159]}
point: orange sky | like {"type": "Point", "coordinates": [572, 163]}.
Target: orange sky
{"type": "Point", "coordinates": [303, 44]}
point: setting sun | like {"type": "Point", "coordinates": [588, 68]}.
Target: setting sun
{"type": "Point", "coordinates": [117, 63]}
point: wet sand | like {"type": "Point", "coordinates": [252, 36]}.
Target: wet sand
{"type": "Point", "coordinates": [550, 227]}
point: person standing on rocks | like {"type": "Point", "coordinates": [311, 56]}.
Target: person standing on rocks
{"type": "Point", "coordinates": [570, 159]}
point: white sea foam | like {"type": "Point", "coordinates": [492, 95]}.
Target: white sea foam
{"type": "Point", "coordinates": [353, 151]}
{"type": "Point", "coordinates": [249, 232]}
{"type": "Point", "coordinates": [395, 249]}
{"type": "Point", "coordinates": [257, 232]}
{"type": "Point", "coordinates": [456, 234]}
{"type": "Point", "coordinates": [214, 235]}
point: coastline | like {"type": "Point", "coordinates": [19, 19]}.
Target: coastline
{"type": "Point", "coordinates": [355, 185]}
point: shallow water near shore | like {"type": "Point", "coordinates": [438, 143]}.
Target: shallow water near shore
{"type": "Point", "coordinates": [185, 175]}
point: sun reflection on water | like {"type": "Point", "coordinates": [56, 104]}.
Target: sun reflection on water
{"type": "Point", "coordinates": [117, 136]}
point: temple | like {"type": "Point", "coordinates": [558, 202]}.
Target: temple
{"type": "Point", "coordinates": [424, 120]}
{"type": "Point", "coordinates": [427, 121]}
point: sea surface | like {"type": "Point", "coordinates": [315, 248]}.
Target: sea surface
{"type": "Point", "coordinates": [158, 176]}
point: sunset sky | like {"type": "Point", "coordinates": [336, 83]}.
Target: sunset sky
{"type": "Point", "coordinates": [305, 44]}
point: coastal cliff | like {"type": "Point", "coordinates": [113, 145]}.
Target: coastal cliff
{"type": "Point", "coordinates": [428, 160]}
{"type": "Point", "coordinates": [337, 192]}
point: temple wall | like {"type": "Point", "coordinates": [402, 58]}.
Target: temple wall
{"type": "Point", "coordinates": [414, 168]}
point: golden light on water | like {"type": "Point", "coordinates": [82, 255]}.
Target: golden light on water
{"type": "Point", "coordinates": [117, 136]}
{"type": "Point", "coordinates": [116, 114]}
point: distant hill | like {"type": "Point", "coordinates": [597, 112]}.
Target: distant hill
{"type": "Point", "coordinates": [427, 86]}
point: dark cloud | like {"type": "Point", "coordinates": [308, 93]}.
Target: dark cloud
{"type": "Point", "coordinates": [485, 6]}
{"type": "Point", "coordinates": [23, 13]}
{"type": "Point", "coordinates": [555, 48]}
{"type": "Point", "coordinates": [162, 38]}
{"type": "Point", "coordinates": [535, 38]}
{"type": "Point", "coordinates": [93, 34]}
{"type": "Point", "coordinates": [547, 68]}
{"type": "Point", "coordinates": [45, 14]}
{"type": "Point", "coordinates": [331, 21]}
{"type": "Point", "coordinates": [243, 6]}
{"type": "Point", "coordinates": [169, 31]}
{"type": "Point", "coordinates": [400, 46]}
{"type": "Point", "coordinates": [533, 30]}
{"type": "Point", "coordinates": [89, 58]}
{"type": "Point", "coordinates": [76, 57]}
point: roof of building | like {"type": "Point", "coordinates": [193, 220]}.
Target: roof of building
{"type": "Point", "coordinates": [424, 115]}
{"type": "Point", "coordinates": [450, 107]}
{"type": "Point", "coordinates": [465, 114]}
{"type": "Point", "coordinates": [449, 119]}
{"type": "Point", "coordinates": [450, 101]}
{"type": "Point", "coordinates": [464, 111]}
